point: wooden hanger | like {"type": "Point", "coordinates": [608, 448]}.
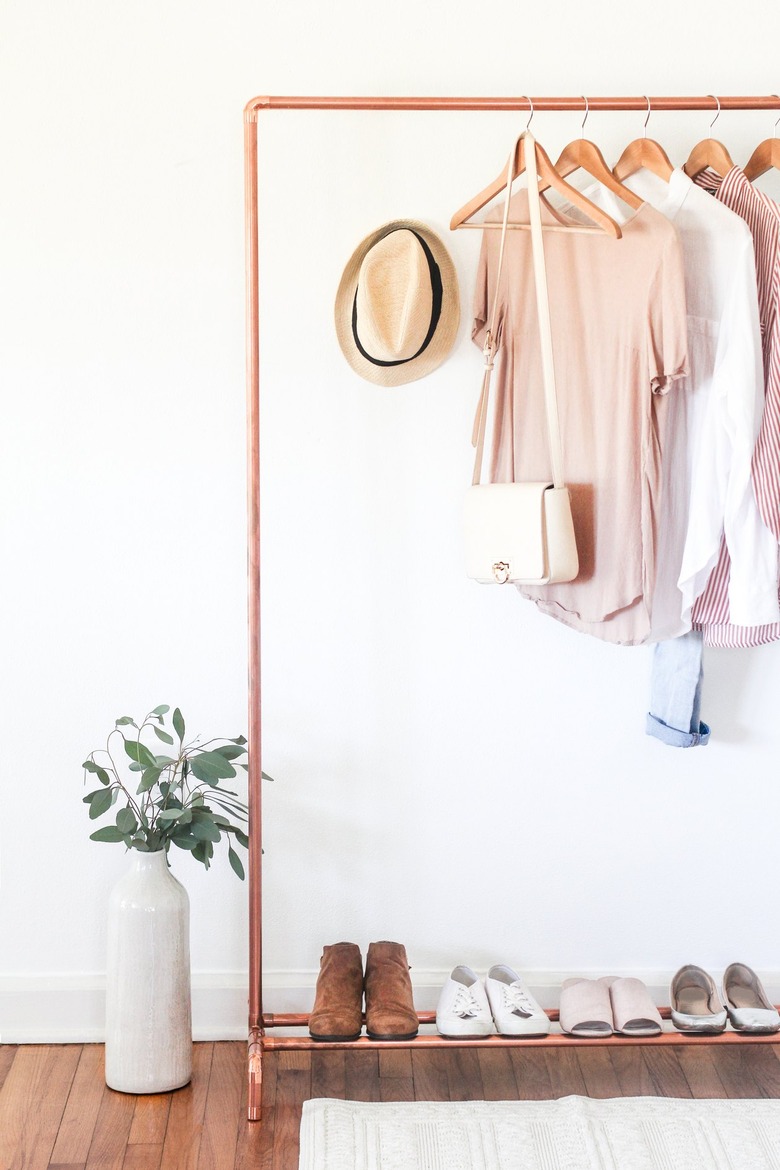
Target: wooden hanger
{"type": "Point", "coordinates": [643, 153]}
{"type": "Point", "coordinates": [709, 154]}
{"type": "Point", "coordinates": [583, 155]}
{"type": "Point", "coordinates": [765, 157]}
{"type": "Point", "coordinates": [549, 177]}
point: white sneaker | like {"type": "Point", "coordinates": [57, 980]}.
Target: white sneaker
{"type": "Point", "coordinates": [514, 1009]}
{"type": "Point", "coordinates": [463, 1009]}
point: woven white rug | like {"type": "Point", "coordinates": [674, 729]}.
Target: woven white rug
{"type": "Point", "coordinates": [573, 1133]}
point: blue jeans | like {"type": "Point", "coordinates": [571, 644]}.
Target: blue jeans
{"type": "Point", "coordinates": [675, 692]}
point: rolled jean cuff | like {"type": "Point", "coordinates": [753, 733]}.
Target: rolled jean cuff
{"type": "Point", "coordinates": [674, 737]}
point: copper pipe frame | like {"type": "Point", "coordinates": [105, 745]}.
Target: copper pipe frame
{"type": "Point", "coordinates": [257, 1040]}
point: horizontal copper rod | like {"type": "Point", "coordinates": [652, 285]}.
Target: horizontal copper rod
{"type": "Point", "coordinates": [707, 102]}
{"type": "Point", "coordinates": [554, 1040]}
{"type": "Point", "coordinates": [301, 1021]}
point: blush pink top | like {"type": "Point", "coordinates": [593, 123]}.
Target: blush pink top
{"type": "Point", "coordinates": [619, 338]}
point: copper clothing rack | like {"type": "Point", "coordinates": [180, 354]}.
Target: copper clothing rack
{"type": "Point", "coordinates": [259, 1041]}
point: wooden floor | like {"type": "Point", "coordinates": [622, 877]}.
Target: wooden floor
{"type": "Point", "coordinates": [57, 1114]}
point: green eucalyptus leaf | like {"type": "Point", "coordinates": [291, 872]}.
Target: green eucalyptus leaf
{"type": "Point", "coordinates": [186, 816]}
{"type": "Point", "coordinates": [203, 773]}
{"type": "Point", "coordinates": [139, 843]}
{"type": "Point", "coordinates": [164, 761]}
{"type": "Point", "coordinates": [168, 815]}
{"type": "Point", "coordinates": [267, 777]}
{"type": "Point", "coordinates": [135, 767]}
{"type": "Point", "coordinates": [230, 751]}
{"type": "Point", "coordinates": [126, 821]}
{"type": "Point", "coordinates": [242, 838]}
{"type": "Point", "coordinates": [101, 802]}
{"type": "Point", "coordinates": [89, 766]}
{"type": "Point", "coordinates": [213, 763]}
{"type": "Point", "coordinates": [178, 724]}
{"type": "Point", "coordinates": [219, 820]}
{"type": "Point", "coordinates": [109, 833]}
{"type": "Point", "coordinates": [88, 798]}
{"type": "Point", "coordinates": [200, 853]}
{"type": "Point", "coordinates": [149, 778]}
{"type": "Point", "coordinates": [235, 862]}
{"type": "Point", "coordinates": [188, 842]}
{"type": "Point", "coordinates": [139, 753]}
{"type": "Point", "coordinates": [103, 776]}
{"type": "Point", "coordinates": [239, 739]}
{"type": "Point", "coordinates": [163, 709]}
{"type": "Point", "coordinates": [125, 721]}
{"type": "Point", "coordinates": [205, 830]}
{"type": "Point", "coordinates": [163, 735]}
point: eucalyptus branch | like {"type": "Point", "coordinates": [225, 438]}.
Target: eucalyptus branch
{"type": "Point", "coordinates": [181, 802]}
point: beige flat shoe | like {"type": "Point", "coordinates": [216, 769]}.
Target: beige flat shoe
{"type": "Point", "coordinates": [746, 1001]}
{"type": "Point", "coordinates": [696, 1006]}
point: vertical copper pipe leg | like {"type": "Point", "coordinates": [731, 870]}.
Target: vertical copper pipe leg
{"type": "Point", "coordinates": [255, 1093]}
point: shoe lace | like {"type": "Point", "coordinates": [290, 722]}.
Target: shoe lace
{"type": "Point", "coordinates": [465, 1003]}
{"type": "Point", "coordinates": [518, 1001]}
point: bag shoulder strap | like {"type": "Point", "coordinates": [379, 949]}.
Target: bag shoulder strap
{"type": "Point", "coordinates": [543, 313]}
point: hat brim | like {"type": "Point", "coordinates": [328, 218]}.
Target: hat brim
{"type": "Point", "coordinates": [446, 330]}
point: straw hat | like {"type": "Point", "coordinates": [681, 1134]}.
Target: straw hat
{"type": "Point", "coordinates": [397, 306]}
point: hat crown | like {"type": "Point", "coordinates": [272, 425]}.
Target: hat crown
{"type": "Point", "coordinates": [394, 298]}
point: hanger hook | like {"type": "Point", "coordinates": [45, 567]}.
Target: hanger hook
{"type": "Point", "coordinates": [531, 115]}
{"type": "Point", "coordinates": [774, 95]}
{"type": "Point", "coordinates": [714, 120]}
{"type": "Point", "coordinates": [647, 119]}
{"type": "Point", "coordinates": [587, 111]}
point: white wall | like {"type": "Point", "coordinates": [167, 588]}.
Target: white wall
{"type": "Point", "coordinates": [454, 770]}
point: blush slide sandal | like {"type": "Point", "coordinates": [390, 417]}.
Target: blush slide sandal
{"type": "Point", "coordinates": [585, 1007]}
{"type": "Point", "coordinates": [633, 1011]}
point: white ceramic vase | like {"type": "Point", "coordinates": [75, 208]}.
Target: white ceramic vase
{"type": "Point", "coordinates": [148, 1010]}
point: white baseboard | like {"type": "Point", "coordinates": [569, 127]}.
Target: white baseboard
{"type": "Point", "coordinates": [70, 1008]}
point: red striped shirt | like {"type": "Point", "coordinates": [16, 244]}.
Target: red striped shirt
{"type": "Point", "coordinates": [762, 214]}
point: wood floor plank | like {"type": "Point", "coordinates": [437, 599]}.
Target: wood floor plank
{"type": "Point", "coordinates": [396, 1089]}
{"type": "Point", "coordinates": [329, 1074]}
{"type": "Point", "coordinates": [464, 1075]}
{"type": "Point", "coordinates": [185, 1119]}
{"type": "Point", "coordinates": [498, 1077]}
{"type": "Point", "coordinates": [429, 1069]}
{"type": "Point", "coordinates": [221, 1115]}
{"type": "Point", "coordinates": [735, 1072]}
{"type": "Point", "coordinates": [397, 1062]}
{"type": "Point", "coordinates": [32, 1102]}
{"type": "Point", "coordinates": [293, 1087]}
{"type": "Point", "coordinates": [632, 1073]}
{"type": "Point", "coordinates": [7, 1054]}
{"type": "Point", "coordinates": [598, 1072]}
{"type": "Point", "coordinates": [666, 1073]}
{"type": "Point", "coordinates": [112, 1129]}
{"type": "Point", "coordinates": [764, 1067]}
{"type": "Point", "coordinates": [143, 1156]}
{"type": "Point", "coordinates": [150, 1119]}
{"type": "Point", "coordinates": [531, 1074]}
{"type": "Point", "coordinates": [565, 1073]}
{"type": "Point", "coordinates": [66, 1166]}
{"type": "Point", "coordinates": [700, 1072]}
{"type": "Point", "coordinates": [81, 1110]}
{"type": "Point", "coordinates": [362, 1076]}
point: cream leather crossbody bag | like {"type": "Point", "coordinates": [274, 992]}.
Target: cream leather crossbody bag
{"type": "Point", "coordinates": [521, 533]}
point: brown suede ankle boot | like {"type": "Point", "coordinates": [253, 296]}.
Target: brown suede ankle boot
{"type": "Point", "coordinates": [390, 1013]}
{"type": "Point", "coordinates": [338, 1002]}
